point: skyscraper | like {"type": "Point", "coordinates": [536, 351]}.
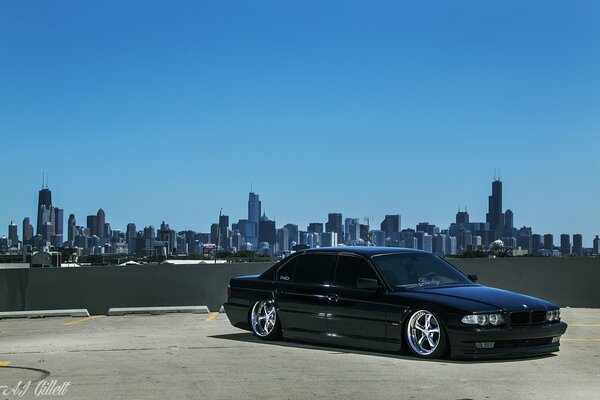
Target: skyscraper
{"type": "Point", "coordinates": [549, 242]}
{"type": "Point", "coordinates": [494, 217]}
{"type": "Point", "coordinates": [71, 228]}
{"type": "Point", "coordinates": [92, 224]}
{"type": "Point", "coordinates": [266, 231]}
{"type": "Point", "coordinates": [44, 204]}
{"type": "Point", "coordinates": [596, 245]}
{"type": "Point", "coordinates": [565, 244]}
{"type": "Point", "coordinates": [27, 230]}
{"type": "Point", "coordinates": [100, 221]}
{"type": "Point", "coordinates": [254, 211]}
{"type": "Point", "coordinates": [13, 235]}
{"type": "Point", "coordinates": [578, 244]}
{"type": "Point", "coordinates": [462, 217]}
{"type": "Point", "coordinates": [334, 224]}
{"type": "Point", "coordinates": [391, 224]}
{"type": "Point", "coordinates": [130, 236]}
{"type": "Point", "coordinates": [315, 227]}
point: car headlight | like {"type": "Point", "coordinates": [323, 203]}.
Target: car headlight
{"type": "Point", "coordinates": [553, 315]}
{"type": "Point", "coordinates": [483, 319]}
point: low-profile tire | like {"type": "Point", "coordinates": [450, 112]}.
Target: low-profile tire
{"type": "Point", "coordinates": [264, 321]}
{"type": "Point", "coordinates": [425, 335]}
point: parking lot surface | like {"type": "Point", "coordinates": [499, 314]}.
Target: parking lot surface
{"type": "Point", "coordinates": [190, 356]}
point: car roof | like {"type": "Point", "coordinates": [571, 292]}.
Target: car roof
{"type": "Point", "coordinates": [366, 251]}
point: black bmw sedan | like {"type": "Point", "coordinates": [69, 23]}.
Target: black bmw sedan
{"type": "Point", "coordinates": [389, 299]}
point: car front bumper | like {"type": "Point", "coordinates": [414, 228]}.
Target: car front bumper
{"type": "Point", "coordinates": [508, 342]}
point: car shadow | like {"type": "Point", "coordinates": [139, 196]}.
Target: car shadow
{"type": "Point", "coordinates": [248, 337]}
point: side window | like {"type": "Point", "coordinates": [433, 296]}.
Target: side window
{"type": "Point", "coordinates": [349, 269]}
{"type": "Point", "coordinates": [314, 268]}
{"type": "Point", "coordinates": [286, 272]}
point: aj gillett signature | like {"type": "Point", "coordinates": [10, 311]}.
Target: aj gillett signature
{"type": "Point", "coordinates": [43, 388]}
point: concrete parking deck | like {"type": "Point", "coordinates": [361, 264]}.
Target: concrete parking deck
{"type": "Point", "coordinates": [175, 356]}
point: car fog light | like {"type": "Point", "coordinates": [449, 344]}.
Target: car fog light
{"type": "Point", "coordinates": [484, 345]}
{"type": "Point", "coordinates": [556, 339]}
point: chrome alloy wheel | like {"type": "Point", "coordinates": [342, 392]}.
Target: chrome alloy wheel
{"type": "Point", "coordinates": [263, 317]}
{"type": "Point", "coordinates": [423, 333]}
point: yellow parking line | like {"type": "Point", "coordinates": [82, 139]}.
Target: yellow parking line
{"type": "Point", "coordinates": [582, 340]}
{"type": "Point", "coordinates": [4, 363]}
{"type": "Point", "coordinates": [584, 325]}
{"type": "Point", "coordinates": [212, 316]}
{"type": "Point", "coordinates": [82, 320]}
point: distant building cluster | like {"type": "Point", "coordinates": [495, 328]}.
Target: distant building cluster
{"type": "Point", "coordinates": [259, 234]}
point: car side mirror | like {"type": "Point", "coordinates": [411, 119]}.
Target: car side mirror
{"type": "Point", "coordinates": [473, 277]}
{"type": "Point", "coordinates": [367, 283]}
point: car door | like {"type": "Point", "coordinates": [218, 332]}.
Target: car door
{"type": "Point", "coordinates": [356, 316]}
{"type": "Point", "coordinates": [300, 290]}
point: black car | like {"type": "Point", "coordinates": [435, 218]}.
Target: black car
{"type": "Point", "coordinates": [387, 299]}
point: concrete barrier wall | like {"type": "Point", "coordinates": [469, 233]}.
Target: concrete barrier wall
{"type": "Point", "coordinates": [568, 281]}
{"type": "Point", "coordinates": [565, 281]}
{"type": "Point", "coordinates": [99, 288]}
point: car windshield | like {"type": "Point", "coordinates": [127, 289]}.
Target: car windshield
{"type": "Point", "coordinates": [418, 270]}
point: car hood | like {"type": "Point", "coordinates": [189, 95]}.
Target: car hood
{"type": "Point", "coordinates": [492, 297]}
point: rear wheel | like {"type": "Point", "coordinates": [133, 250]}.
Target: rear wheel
{"type": "Point", "coordinates": [425, 336]}
{"type": "Point", "coordinates": [263, 320]}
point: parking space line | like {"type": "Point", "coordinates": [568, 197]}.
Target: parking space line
{"type": "Point", "coordinates": [582, 339]}
{"type": "Point", "coordinates": [82, 320]}
{"type": "Point", "coordinates": [212, 316]}
{"type": "Point", "coordinates": [570, 325]}
{"type": "Point", "coordinates": [4, 363]}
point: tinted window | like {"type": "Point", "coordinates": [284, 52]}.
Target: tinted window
{"type": "Point", "coordinates": [286, 272]}
{"type": "Point", "coordinates": [418, 270]}
{"type": "Point", "coordinates": [314, 268]}
{"type": "Point", "coordinates": [349, 269]}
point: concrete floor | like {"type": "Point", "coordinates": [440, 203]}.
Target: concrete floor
{"type": "Point", "coordinates": [186, 356]}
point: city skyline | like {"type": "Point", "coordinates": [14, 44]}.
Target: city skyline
{"type": "Point", "coordinates": [500, 222]}
{"type": "Point", "coordinates": [178, 109]}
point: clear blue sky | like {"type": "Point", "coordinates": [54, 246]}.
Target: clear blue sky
{"type": "Point", "coordinates": [160, 110]}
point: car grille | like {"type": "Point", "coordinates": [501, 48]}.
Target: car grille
{"type": "Point", "coordinates": [528, 317]}
{"type": "Point", "coordinates": [508, 344]}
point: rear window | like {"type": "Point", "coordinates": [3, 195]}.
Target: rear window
{"type": "Point", "coordinates": [286, 272]}
{"type": "Point", "coordinates": [314, 268]}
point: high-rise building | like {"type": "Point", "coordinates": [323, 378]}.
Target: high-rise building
{"type": "Point", "coordinates": [266, 231]}
{"type": "Point", "coordinates": [494, 217]}
{"type": "Point", "coordinates": [59, 221]}
{"type": "Point", "coordinates": [13, 235]}
{"type": "Point", "coordinates": [462, 217]}
{"type": "Point", "coordinates": [391, 225]}
{"type": "Point", "coordinates": [71, 228]}
{"type": "Point", "coordinates": [27, 230]}
{"type": "Point", "coordinates": [329, 239]}
{"type": "Point", "coordinates": [565, 244]}
{"type": "Point", "coordinates": [578, 244]}
{"type": "Point", "coordinates": [100, 221]}
{"type": "Point", "coordinates": [378, 237]}
{"type": "Point", "coordinates": [334, 224]}
{"type": "Point", "coordinates": [92, 224]}
{"type": "Point", "coordinates": [596, 245]}
{"type": "Point", "coordinates": [254, 207]}
{"type": "Point", "coordinates": [509, 221]}
{"type": "Point", "coordinates": [223, 231]}
{"type": "Point", "coordinates": [536, 243]}
{"type": "Point", "coordinates": [549, 242]}
{"type": "Point", "coordinates": [293, 234]}
{"type": "Point", "coordinates": [130, 237]}
{"type": "Point", "coordinates": [283, 239]}
{"type": "Point", "coordinates": [315, 227]}
{"type": "Point", "coordinates": [44, 204]}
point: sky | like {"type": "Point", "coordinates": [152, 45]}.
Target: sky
{"type": "Point", "coordinates": [160, 110]}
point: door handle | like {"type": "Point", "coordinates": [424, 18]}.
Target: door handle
{"type": "Point", "coordinates": [333, 297]}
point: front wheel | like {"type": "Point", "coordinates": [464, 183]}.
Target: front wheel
{"type": "Point", "coordinates": [425, 336]}
{"type": "Point", "coordinates": [263, 320]}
